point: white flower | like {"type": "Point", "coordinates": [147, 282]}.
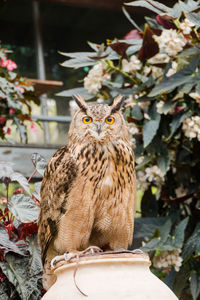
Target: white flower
{"type": "Point", "coordinates": [144, 178]}
{"type": "Point", "coordinates": [156, 72]}
{"type": "Point", "coordinates": [159, 106]}
{"type": "Point", "coordinates": [159, 58]}
{"type": "Point", "coordinates": [191, 127]}
{"type": "Point", "coordinates": [186, 26]}
{"type": "Point", "coordinates": [167, 259]}
{"type": "Point", "coordinates": [169, 110]}
{"type": "Point", "coordinates": [100, 100]}
{"type": "Point", "coordinates": [132, 128]}
{"type": "Point", "coordinates": [171, 41]}
{"type": "Point", "coordinates": [93, 81]}
{"type": "Point", "coordinates": [173, 69]}
{"type": "Point", "coordinates": [195, 96]}
{"type": "Point", "coordinates": [133, 65]}
{"type": "Point", "coordinates": [139, 160]}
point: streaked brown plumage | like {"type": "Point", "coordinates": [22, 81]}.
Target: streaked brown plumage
{"type": "Point", "coordinates": [88, 193]}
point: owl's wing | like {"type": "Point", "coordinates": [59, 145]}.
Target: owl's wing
{"type": "Point", "coordinates": [57, 182]}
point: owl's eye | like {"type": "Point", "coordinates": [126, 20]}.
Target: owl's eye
{"type": "Point", "coordinates": [110, 120]}
{"type": "Point", "coordinates": [87, 120]}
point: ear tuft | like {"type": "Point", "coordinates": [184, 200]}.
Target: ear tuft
{"type": "Point", "coordinates": [80, 102]}
{"type": "Point", "coordinates": [117, 103]}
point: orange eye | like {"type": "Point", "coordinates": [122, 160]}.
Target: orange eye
{"type": "Point", "coordinates": [87, 120]}
{"type": "Point", "coordinates": [110, 120]}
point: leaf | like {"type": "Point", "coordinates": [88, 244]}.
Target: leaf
{"type": "Point", "coordinates": [149, 131]}
{"type": "Point", "coordinates": [181, 279]}
{"type": "Point", "coordinates": [195, 284]}
{"type": "Point", "coordinates": [120, 48]}
{"type": "Point", "coordinates": [163, 158]}
{"type": "Point", "coordinates": [37, 188]}
{"type": "Point", "coordinates": [17, 272]}
{"type": "Point", "coordinates": [177, 121]}
{"type": "Point", "coordinates": [156, 7]}
{"type": "Point", "coordinates": [136, 113]}
{"type": "Point", "coordinates": [23, 208]}
{"type": "Point", "coordinates": [39, 162]}
{"type": "Point", "coordinates": [192, 245]}
{"type": "Point", "coordinates": [130, 19]}
{"type": "Point", "coordinates": [185, 75]}
{"type": "Point", "coordinates": [149, 46]}
{"type": "Point", "coordinates": [194, 18]}
{"type": "Point", "coordinates": [146, 227]}
{"type": "Point", "coordinates": [6, 169]}
{"type": "Point", "coordinates": [7, 244]}
{"type": "Point", "coordinates": [35, 264]}
{"type": "Point", "coordinates": [81, 91]}
{"type": "Point", "coordinates": [15, 176]}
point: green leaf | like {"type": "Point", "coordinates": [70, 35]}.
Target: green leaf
{"type": "Point", "coordinates": [195, 18]}
{"type": "Point", "coordinates": [6, 244]}
{"type": "Point", "coordinates": [39, 162]}
{"type": "Point", "coordinates": [81, 91]}
{"type": "Point", "coordinates": [192, 246]}
{"type": "Point", "coordinates": [179, 233]}
{"type": "Point", "coordinates": [23, 208]}
{"type": "Point", "coordinates": [195, 285]}
{"type": "Point", "coordinates": [151, 5]}
{"type": "Point", "coordinates": [163, 158]}
{"type": "Point", "coordinates": [146, 227]}
{"type": "Point", "coordinates": [183, 76]}
{"type": "Point", "coordinates": [177, 122]}
{"type": "Point", "coordinates": [17, 272]}
{"type": "Point", "coordinates": [15, 176]}
{"type": "Point", "coordinates": [136, 112]}
{"type": "Point", "coordinates": [130, 19]}
{"type": "Point", "coordinates": [150, 129]}
{"type": "Point", "coordinates": [35, 263]}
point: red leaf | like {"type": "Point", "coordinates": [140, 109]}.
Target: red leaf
{"type": "Point", "coordinates": [149, 45]}
{"type": "Point", "coordinates": [18, 191]}
{"type": "Point", "coordinates": [120, 48]}
{"type": "Point", "coordinates": [27, 229]}
{"type": "Point", "coordinates": [133, 34]}
{"type": "Point", "coordinates": [165, 21]}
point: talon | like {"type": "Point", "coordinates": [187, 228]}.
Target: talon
{"type": "Point", "coordinates": [68, 256]}
{"type": "Point", "coordinates": [54, 261]}
{"type": "Point", "coordinates": [92, 250]}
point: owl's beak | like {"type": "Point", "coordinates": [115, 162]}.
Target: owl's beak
{"type": "Point", "coordinates": [98, 125]}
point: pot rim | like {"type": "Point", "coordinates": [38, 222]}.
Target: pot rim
{"type": "Point", "coordinates": [127, 258]}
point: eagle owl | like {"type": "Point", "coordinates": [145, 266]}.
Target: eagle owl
{"type": "Point", "coordinates": [88, 194]}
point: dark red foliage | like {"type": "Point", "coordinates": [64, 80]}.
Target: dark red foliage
{"type": "Point", "coordinates": [18, 191]}
{"type": "Point", "coordinates": [120, 48]}
{"type": "Point", "coordinates": [2, 257]}
{"type": "Point", "coordinates": [2, 276]}
{"type": "Point", "coordinates": [26, 229]}
{"type": "Point", "coordinates": [133, 34]}
{"type": "Point", "coordinates": [165, 21]}
{"type": "Point", "coordinates": [149, 46]}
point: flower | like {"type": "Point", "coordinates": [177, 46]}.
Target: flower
{"type": "Point", "coordinates": [173, 69]}
{"type": "Point", "coordinates": [21, 89]}
{"type": "Point", "coordinates": [33, 127]}
{"type": "Point", "coordinates": [132, 128]}
{"type": "Point", "coordinates": [150, 174]}
{"type": "Point", "coordinates": [11, 111]}
{"type": "Point", "coordinates": [93, 81]}
{"type": "Point", "coordinates": [9, 64]}
{"type": "Point", "coordinates": [159, 58]}
{"type": "Point", "coordinates": [133, 65]}
{"type": "Point", "coordinates": [170, 41]}
{"type": "Point", "coordinates": [186, 26]}
{"type": "Point", "coordinates": [168, 110]}
{"type": "Point", "coordinates": [191, 127]}
{"type": "Point", "coordinates": [166, 259]}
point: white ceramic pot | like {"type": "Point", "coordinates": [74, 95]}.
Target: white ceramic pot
{"type": "Point", "coordinates": [108, 277]}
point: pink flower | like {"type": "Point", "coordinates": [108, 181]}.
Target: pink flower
{"type": "Point", "coordinates": [11, 111]}
{"type": "Point", "coordinates": [22, 90]}
{"type": "Point", "coordinates": [9, 64]}
{"type": "Point", "coordinates": [3, 63]}
{"type": "Point", "coordinates": [33, 127]}
{"type": "Point", "coordinates": [2, 120]}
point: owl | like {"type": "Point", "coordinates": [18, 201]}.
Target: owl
{"type": "Point", "coordinates": [88, 193]}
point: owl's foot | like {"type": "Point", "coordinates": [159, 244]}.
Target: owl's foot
{"type": "Point", "coordinates": [137, 251]}
{"type": "Point", "coordinates": [75, 254]}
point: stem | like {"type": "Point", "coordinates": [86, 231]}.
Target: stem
{"type": "Point", "coordinates": [34, 172]}
{"type": "Point", "coordinates": [4, 215]}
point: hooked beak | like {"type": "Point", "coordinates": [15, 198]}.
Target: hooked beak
{"type": "Point", "coordinates": [98, 125]}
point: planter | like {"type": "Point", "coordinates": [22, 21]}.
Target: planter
{"type": "Point", "coordinates": [111, 277]}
